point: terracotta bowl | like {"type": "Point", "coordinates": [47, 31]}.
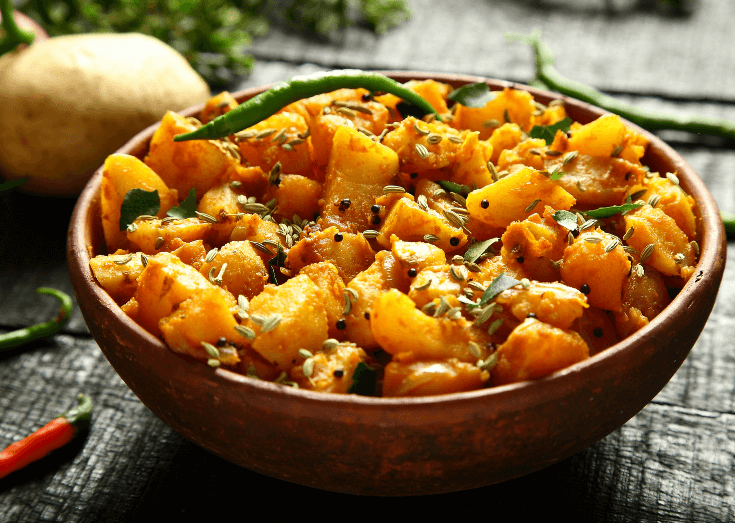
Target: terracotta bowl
{"type": "Point", "coordinates": [384, 446]}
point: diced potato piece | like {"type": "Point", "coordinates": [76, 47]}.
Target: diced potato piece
{"type": "Point", "coordinates": [191, 253]}
{"type": "Point", "coordinates": [417, 255]}
{"type": "Point", "coordinates": [327, 280]}
{"type": "Point", "coordinates": [470, 162]}
{"type": "Point", "coordinates": [509, 197]}
{"type": "Point", "coordinates": [403, 330]}
{"type": "Point", "coordinates": [299, 195]}
{"type": "Point", "coordinates": [385, 273]}
{"type": "Point", "coordinates": [673, 201]}
{"type": "Point", "coordinates": [120, 174]}
{"type": "Point", "coordinates": [430, 90]}
{"type": "Point", "coordinates": [183, 165]}
{"type": "Point", "coordinates": [492, 267]}
{"type": "Point", "coordinates": [303, 323]}
{"type": "Point", "coordinates": [163, 285]}
{"type": "Point", "coordinates": [310, 107]}
{"type": "Point", "coordinates": [350, 253]}
{"type": "Point", "coordinates": [204, 317]}
{"type": "Point", "coordinates": [596, 181]}
{"type": "Point", "coordinates": [409, 222]}
{"type": "Point", "coordinates": [333, 370]}
{"type": "Point", "coordinates": [430, 378]}
{"type": "Point", "coordinates": [253, 228]}
{"type": "Point", "coordinates": [441, 284]}
{"type": "Point", "coordinates": [600, 137]}
{"type": "Point", "coordinates": [245, 273]}
{"type": "Point", "coordinates": [325, 126]}
{"type": "Point", "coordinates": [528, 152]}
{"type": "Point", "coordinates": [647, 294]}
{"type": "Point", "coordinates": [357, 172]}
{"type": "Point", "coordinates": [551, 115]}
{"type": "Point", "coordinates": [552, 303]}
{"type": "Point", "coordinates": [117, 274]}
{"type": "Point", "coordinates": [220, 202]}
{"type": "Point", "coordinates": [507, 136]}
{"type": "Point", "coordinates": [153, 236]}
{"type": "Point", "coordinates": [510, 106]}
{"type": "Point", "coordinates": [254, 365]}
{"type": "Point", "coordinates": [266, 151]}
{"type": "Point", "coordinates": [654, 227]}
{"type": "Point", "coordinates": [597, 329]}
{"type": "Point", "coordinates": [405, 139]}
{"type": "Point", "coordinates": [536, 243]}
{"type": "Point", "coordinates": [535, 349]}
{"type": "Point", "coordinates": [217, 106]}
{"type": "Point", "coordinates": [598, 274]}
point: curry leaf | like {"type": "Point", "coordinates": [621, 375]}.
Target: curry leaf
{"type": "Point", "coordinates": [606, 212]}
{"type": "Point", "coordinates": [547, 132]}
{"type": "Point", "coordinates": [473, 95]}
{"type": "Point", "coordinates": [498, 285]}
{"type": "Point", "coordinates": [566, 219]}
{"type": "Point", "coordinates": [363, 380]}
{"type": "Point", "coordinates": [138, 202]}
{"type": "Point", "coordinates": [477, 249]}
{"type": "Point", "coordinates": [556, 175]}
{"type": "Point", "coordinates": [186, 209]}
{"type": "Point", "coordinates": [454, 187]}
{"type": "Point", "coordinates": [277, 261]}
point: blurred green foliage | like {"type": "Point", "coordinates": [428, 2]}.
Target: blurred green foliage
{"type": "Point", "coordinates": [213, 35]}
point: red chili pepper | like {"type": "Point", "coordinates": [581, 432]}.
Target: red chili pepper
{"type": "Point", "coordinates": [52, 436]}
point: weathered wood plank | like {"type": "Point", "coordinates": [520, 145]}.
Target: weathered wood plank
{"type": "Point", "coordinates": [633, 48]}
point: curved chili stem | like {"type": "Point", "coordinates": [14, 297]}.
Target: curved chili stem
{"type": "Point", "coordinates": [54, 435]}
{"type": "Point", "coordinates": [283, 93]}
{"type": "Point", "coordinates": [41, 330]}
{"type": "Point", "coordinates": [14, 35]}
{"type": "Point", "coordinates": [652, 120]}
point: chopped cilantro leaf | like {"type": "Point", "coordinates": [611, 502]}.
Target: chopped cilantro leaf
{"type": "Point", "coordinates": [498, 285]}
{"type": "Point", "coordinates": [566, 219]}
{"type": "Point", "coordinates": [473, 95]}
{"type": "Point", "coordinates": [454, 187]}
{"type": "Point", "coordinates": [477, 249]}
{"type": "Point", "coordinates": [547, 132]}
{"type": "Point", "coordinates": [187, 208]}
{"type": "Point", "coordinates": [606, 212]}
{"type": "Point", "coordinates": [363, 380]}
{"type": "Point", "coordinates": [138, 202]}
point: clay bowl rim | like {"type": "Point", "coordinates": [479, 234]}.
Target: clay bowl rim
{"type": "Point", "coordinates": [516, 395]}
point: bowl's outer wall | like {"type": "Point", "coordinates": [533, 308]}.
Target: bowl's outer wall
{"type": "Point", "coordinates": [401, 446]}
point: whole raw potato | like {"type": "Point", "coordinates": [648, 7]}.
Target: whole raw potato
{"type": "Point", "coordinates": [69, 101]}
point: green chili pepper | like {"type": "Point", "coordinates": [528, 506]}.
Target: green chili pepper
{"type": "Point", "coordinates": [14, 35]}
{"type": "Point", "coordinates": [283, 93]}
{"type": "Point", "coordinates": [41, 330]}
{"type": "Point", "coordinates": [652, 120]}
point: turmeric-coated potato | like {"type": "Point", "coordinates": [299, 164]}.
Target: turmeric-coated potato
{"type": "Point", "coordinates": [350, 253]}
{"type": "Point", "coordinates": [332, 370]}
{"type": "Point", "coordinates": [240, 268]}
{"type": "Point", "coordinates": [508, 106]}
{"type": "Point", "coordinates": [118, 274]}
{"type": "Point", "coordinates": [535, 349]}
{"type": "Point", "coordinates": [429, 378]}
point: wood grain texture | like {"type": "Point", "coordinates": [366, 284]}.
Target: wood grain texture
{"type": "Point", "coordinates": [671, 462]}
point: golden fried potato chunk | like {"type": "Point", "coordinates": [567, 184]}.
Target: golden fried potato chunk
{"type": "Point", "coordinates": [509, 106]}
{"type": "Point", "coordinates": [417, 152]}
{"type": "Point", "coordinates": [553, 303]}
{"type": "Point", "coordinates": [120, 174]}
{"type": "Point", "coordinates": [383, 274]}
{"type": "Point", "coordinates": [240, 268]}
{"type": "Point", "coordinates": [294, 318]}
{"type": "Point", "coordinates": [183, 165]}
{"type": "Point", "coordinates": [118, 274]}
{"type": "Point", "coordinates": [673, 201]}
{"type": "Point", "coordinates": [599, 273]}
{"type": "Point", "coordinates": [404, 331]}
{"type": "Point", "coordinates": [332, 369]}
{"type": "Point", "coordinates": [430, 378]}
{"type": "Point", "coordinates": [350, 253]}
{"type": "Point", "coordinates": [331, 287]}
{"type": "Point", "coordinates": [153, 236]}
{"type": "Point", "coordinates": [671, 254]}
{"type": "Point", "coordinates": [358, 170]}
{"type": "Point", "coordinates": [536, 349]}
{"type": "Point", "coordinates": [510, 199]}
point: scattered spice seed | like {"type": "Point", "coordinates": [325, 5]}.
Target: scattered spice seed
{"type": "Point", "coordinates": [459, 273]}
{"type": "Point", "coordinates": [206, 217]}
{"type": "Point", "coordinates": [593, 239]}
{"type": "Point", "coordinates": [388, 189]}
{"type": "Point", "coordinates": [611, 245]}
{"type": "Point", "coordinates": [679, 258]}
{"type": "Point", "coordinates": [455, 139]}
{"type": "Point", "coordinates": [628, 233]}
{"type": "Point", "coordinates": [492, 123]}
{"type": "Point", "coordinates": [653, 200]}
{"type": "Point", "coordinates": [244, 135]}
{"type": "Point", "coordinates": [475, 349]}
{"type": "Point", "coordinates": [213, 363]}
{"type": "Point", "coordinates": [434, 138]}
{"type": "Point", "coordinates": [553, 153]}
{"type": "Point", "coordinates": [569, 157]}
{"type": "Point", "coordinates": [476, 285]}
{"type": "Point", "coordinates": [429, 309]}
{"type": "Point", "coordinates": [265, 133]}
{"type": "Point", "coordinates": [308, 367]}
{"type": "Point", "coordinates": [494, 326]}
{"type": "Point", "coordinates": [124, 260]}
{"type": "Point", "coordinates": [629, 249]}
{"type": "Point", "coordinates": [457, 260]}
{"type": "Point", "coordinates": [647, 251]}
{"type": "Point", "coordinates": [211, 255]}
{"type": "Point", "coordinates": [424, 286]}
{"type": "Point", "coordinates": [422, 151]}
{"type": "Point", "coordinates": [588, 224]}
{"type": "Point", "coordinates": [453, 218]}
{"type": "Point", "coordinates": [525, 283]}
{"type": "Point", "coordinates": [532, 205]}
{"type": "Point", "coordinates": [330, 344]}
{"type": "Point", "coordinates": [616, 152]}
{"type": "Point", "coordinates": [419, 130]}
{"type": "Point", "coordinates": [245, 332]}
{"type": "Point", "coordinates": [211, 350]}
{"type": "Point", "coordinates": [344, 111]}
{"type": "Point", "coordinates": [472, 266]}
{"type": "Point", "coordinates": [262, 248]}
{"type": "Point", "coordinates": [271, 322]}
{"type": "Point", "coordinates": [695, 247]}
{"type": "Point", "coordinates": [341, 324]}
{"type": "Point", "coordinates": [422, 202]}
{"type": "Point", "coordinates": [370, 233]}
{"type": "Point", "coordinates": [453, 241]}
{"type": "Point", "coordinates": [144, 259]}
{"type": "Point", "coordinates": [430, 238]}
{"type": "Point", "coordinates": [637, 194]}
{"type": "Point", "coordinates": [454, 313]}
{"type": "Point", "coordinates": [673, 178]}
{"type": "Point", "coordinates": [506, 115]}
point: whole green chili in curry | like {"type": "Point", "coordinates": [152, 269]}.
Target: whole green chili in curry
{"type": "Point", "coordinates": [283, 93]}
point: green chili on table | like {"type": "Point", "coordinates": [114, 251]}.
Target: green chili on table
{"type": "Point", "coordinates": [283, 93]}
{"type": "Point", "coordinates": [54, 435]}
{"type": "Point", "coordinates": [41, 330]}
{"type": "Point", "coordinates": [14, 35]}
{"type": "Point", "coordinates": [653, 120]}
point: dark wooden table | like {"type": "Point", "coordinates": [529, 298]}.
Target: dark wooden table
{"type": "Point", "coordinates": [672, 462]}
